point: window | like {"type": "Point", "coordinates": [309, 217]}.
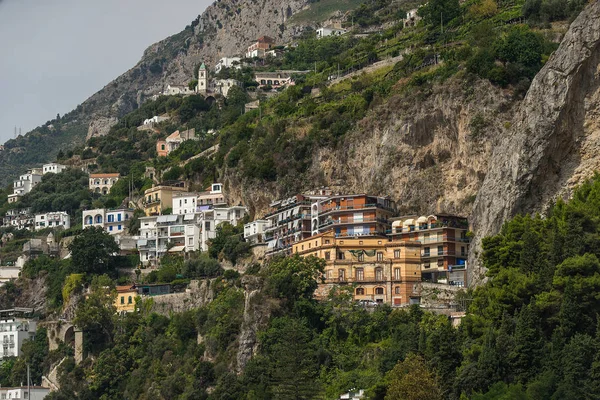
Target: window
{"type": "Point", "coordinates": [342, 274]}
{"type": "Point", "coordinates": [379, 274]}
{"type": "Point", "coordinates": [340, 255]}
{"type": "Point", "coordinates": [119, 217]}
{"type": "Point", "coordinates": [129, 300]}
{"type": "Point", "coordinates": [326, 241]}
{"type": "Point", "coordinates": [162, 146]}
{"type": "Point", "coordinates": [360, 291]}
{"type": "Point", "coordinates": [379, 256]}
{"type": "Point", "coordinates": [396, 253]}
{"type": "Point", "coordinates": [327, 255]}
{"type": "Point", "coordinates": [361, 257]}
{"type": "Point", "coordinates": [462, 251]}
{"type": "Point", "coordinates": [360, 274]}
{"type": "Point", "coordinates": [122, 299]}
{"type": "Point", "coordinates": [440, 250]}
{"type": "Point", "coordinates": [120, 227]}
{"type": "Point", "coordinates": [379, 290]}
{"type": "Point", "coordinates": [426, 252]}
{"type": "Point", "coordinates": [397, 274]}
{"type": "Point", "coordinates": [110, 228]}
{"type": "Point", "coordinates": [397, 290]}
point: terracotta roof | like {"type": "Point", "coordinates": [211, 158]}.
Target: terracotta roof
{"type": "Point", "coordinates": [126, 288]}
{"type": "Point", "coordinates": [174, 135]}
{"type": "Point", "coordinates": [110, 175]}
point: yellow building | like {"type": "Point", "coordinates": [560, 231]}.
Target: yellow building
{"type": "Point", "coordinates": [379, 270]}
{"type": "Point", "coordinates": [125, 301]}
{"type": "Point", "coordinates": [160, 197]}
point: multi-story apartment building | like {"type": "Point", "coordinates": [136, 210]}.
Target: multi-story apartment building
{"type": "Point", "coordinates": [58, 219]}
{"type": "Point", "coordinates": [254, 232]}
{"type": "Point", "coordinates": [53, 168]}
{"type": "Point", "coordinates": [228, 62]}
{"type": "Point", "coordinates": [24, 392]}
{"type": "Point", "coordinates": [112, 221]}
{"type": "Point", "coordinates": [167, 233]}
{"type": "Point", "coordinates": [259, 47]}
{"type": "Point", "coordinates": [210, 219]}
{"type": "Point", "coordinates": [25, 184]}
{"type": "Point", "coordinates": [352, 215]}
{"type": "Point", "coordinates": [289, 222]}
{"type": "Point", "coordinates": [445, 245]}
{"type": "Point", "coordinates": [15, 328]}
{"type": "Point", "coordinates": [184, 203]}
{"type": "Point", "coordinates": [19, 218]}
{"type": "Point", "coordinates": [160, 197]}
{"type": "Point", "coordinates": [213, 196]}
{"type": "Point", "coordinates": [378, 270]}
{"type": "Point", "coordinates": [102, 183]}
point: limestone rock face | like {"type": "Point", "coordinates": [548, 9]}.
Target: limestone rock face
{"type": "Point", "coordinates": [554, 141]}
{"type": "Point", "coordinates": [100, 126]}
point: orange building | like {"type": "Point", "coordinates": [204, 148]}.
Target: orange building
{"type": "Point", "coordinates": [379, 270]}
{"type": "Point", "coordinates": [259, 48]}
{"type": "Point", "coordinates": [161, 148]}
{"type": "Point", "coordinates": [445, 245]}
{"type": "Point", "coordinates": [353, 215]}
{"type": "Point", "coordinates": [125, 301]}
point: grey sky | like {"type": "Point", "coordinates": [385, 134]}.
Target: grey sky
{"type": "Point", "coordinates": [54, 54]}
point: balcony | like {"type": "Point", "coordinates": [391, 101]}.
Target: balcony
{"type": "Point", "coordinates": [372, 233]}
{"type": "Point", "coordinates": [444, 254]}
{"type": "Point", "coordinates": [150, 202]}
{"type": "Point", "coordinates": [336, 209]}
{"type": "Point", "coordinates": [352, 221]}
{"type": "Point", "coordinates": [289, 206]}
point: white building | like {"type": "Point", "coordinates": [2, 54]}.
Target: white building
{"type": "Point", "coordinates": [102, 183]}
{"type": "Point", "coordinates": [20, 219]}
{"type": "Point", "coordinates": [222, 86]}
{"type": "Point", "coordinates": [58, 219]}
{"type": "Point", "coordinates": [155, 120]}
{"type": "Point", "coordinates": [25, 184]}
{"type": "Point", "coordinates": [254, 232]}
{"type": "Point", "coordinates": [164, 234]}
{"type": "Point", "coordinates": [412, 18]}
{"type": "Point", "coordinates": [329, 31]}
{"type": "Point", "coordinates": [173, 90]}
{"type": "Point", "coordinates": [9, 273]}
{"type": "Point", "coordinates": [112, 221]}
{"type": "Point", "coordinates": [14, 330]}
{"type": "Point", "coordinates": [228, 62]}
{"type": "Point", "coordinates": [30, 393]}
{"type": "Point", "coordinates": [53, 168]}
{"type": "Point", "coordinates": [212, 196]}
{"type": "Point", "coordinates": [184, 203]}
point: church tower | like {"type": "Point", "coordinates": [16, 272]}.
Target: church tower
{"type": "Point", "coordinates": [202, 79]}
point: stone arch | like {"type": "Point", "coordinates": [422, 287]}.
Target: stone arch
{"type": "Point", "coordinates": [210, 100]}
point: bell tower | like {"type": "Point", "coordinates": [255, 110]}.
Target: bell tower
{"type": "Point", "coordinates": [202, 79]}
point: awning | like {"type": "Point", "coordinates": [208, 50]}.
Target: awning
{"type": "Point", "coordinates": [142, 242]}
{"type": "Point", "coordinates": [176, 249]}
{"type": "Point", "coordinates": [166, 218]}
{"type": "Point", "coordinates": [188, 217]}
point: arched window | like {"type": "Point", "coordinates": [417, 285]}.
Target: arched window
{"type": "Point", "coordinates": [98, 219]}
{"type": "Point", "coordinates": [97, 182]}
{"type": "Point", "coordinates": [360, 291]}
{"type": "Point", "coordinates": [105, 191]}
{"type": "Point", "coordinates": [379, 290]}
{"type": "Point", "coordinates": [106, 181]}
{"type": "Point", "coordinates": [89, 220]}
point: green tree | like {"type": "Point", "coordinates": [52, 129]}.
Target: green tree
{"type": "Point", "coordinates": [294, 278]}
{"type": "Point", "coordinates": [92, 251]}
{"type": "Point", "coordinates": [439, 11]}
{"type": "Point", "coordinates": [412, 380]}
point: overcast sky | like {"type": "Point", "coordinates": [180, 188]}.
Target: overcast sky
{"type": "Point", "coordinates": [54, 54]}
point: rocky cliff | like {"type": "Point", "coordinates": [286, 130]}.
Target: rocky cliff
{"type": "Point", "coordinates": [226, 28]}
{"type": "Point", "coordinates": [555, 137]}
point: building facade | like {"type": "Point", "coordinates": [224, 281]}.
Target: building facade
{"type": "Point", "coordinates": [260, 46]}
{"type": "Point", "coordinates": [329, 31]}
{"type": "Point", "coordinates": [25, 184]}
{"type": "Point", "coordinates": [53, 168]}
{"type": "Point", "coordinates": [102, 183]}
{"type": "Point", "coordinates": [228, 62]}
{"type": "Point", "coordinates": [160, 197]}
{"type": "Point", "coordinates": [184, 203]}
{"type": "Point", "coordinates": [222, 86]}
{"type": "Point", "coordinates": [445, 245]}
{"type": "Point", "coordinates": [212, 196]}
{"type": "Point", "coordinates": [59, 219]}
{"type": "Point", "coordinates": [353, 215]}
{"type": "Point", "coordinates": [24, 392]}
{"type": "Point", "coordinates": [15, 328]}
{"type": "Point", "coordinates": [274, 79]}
{"type": "Point", "coordinates": [289, 222]}
{"type": "Point", "coordinates": [164, 234]}
{"type": "Point", "coordinates": [375, 268]}
{"type": "Point", "coordinates": [112, 221]}
{"type": "Point", "coordinates": [125, 300]}
{"type": "Point", "coordinates": [254, 232]}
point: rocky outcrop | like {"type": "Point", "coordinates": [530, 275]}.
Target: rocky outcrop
{"type": "Point", "coordinates": [553, 144]}
{"type": "Point", "coordinates": [197, 295]}
{"type": "Point", "coordinates": [100, 126]}
{"type": "Point", "coordinates": [257, 310]}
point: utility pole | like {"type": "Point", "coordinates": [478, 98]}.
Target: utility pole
{"type": "Point", "coordinates": [28, 384]}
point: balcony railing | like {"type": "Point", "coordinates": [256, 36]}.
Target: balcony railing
{"type": "Point", "coordinates": [445, 253]}
{"type": "Point", "coordinates": [369, 279]}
